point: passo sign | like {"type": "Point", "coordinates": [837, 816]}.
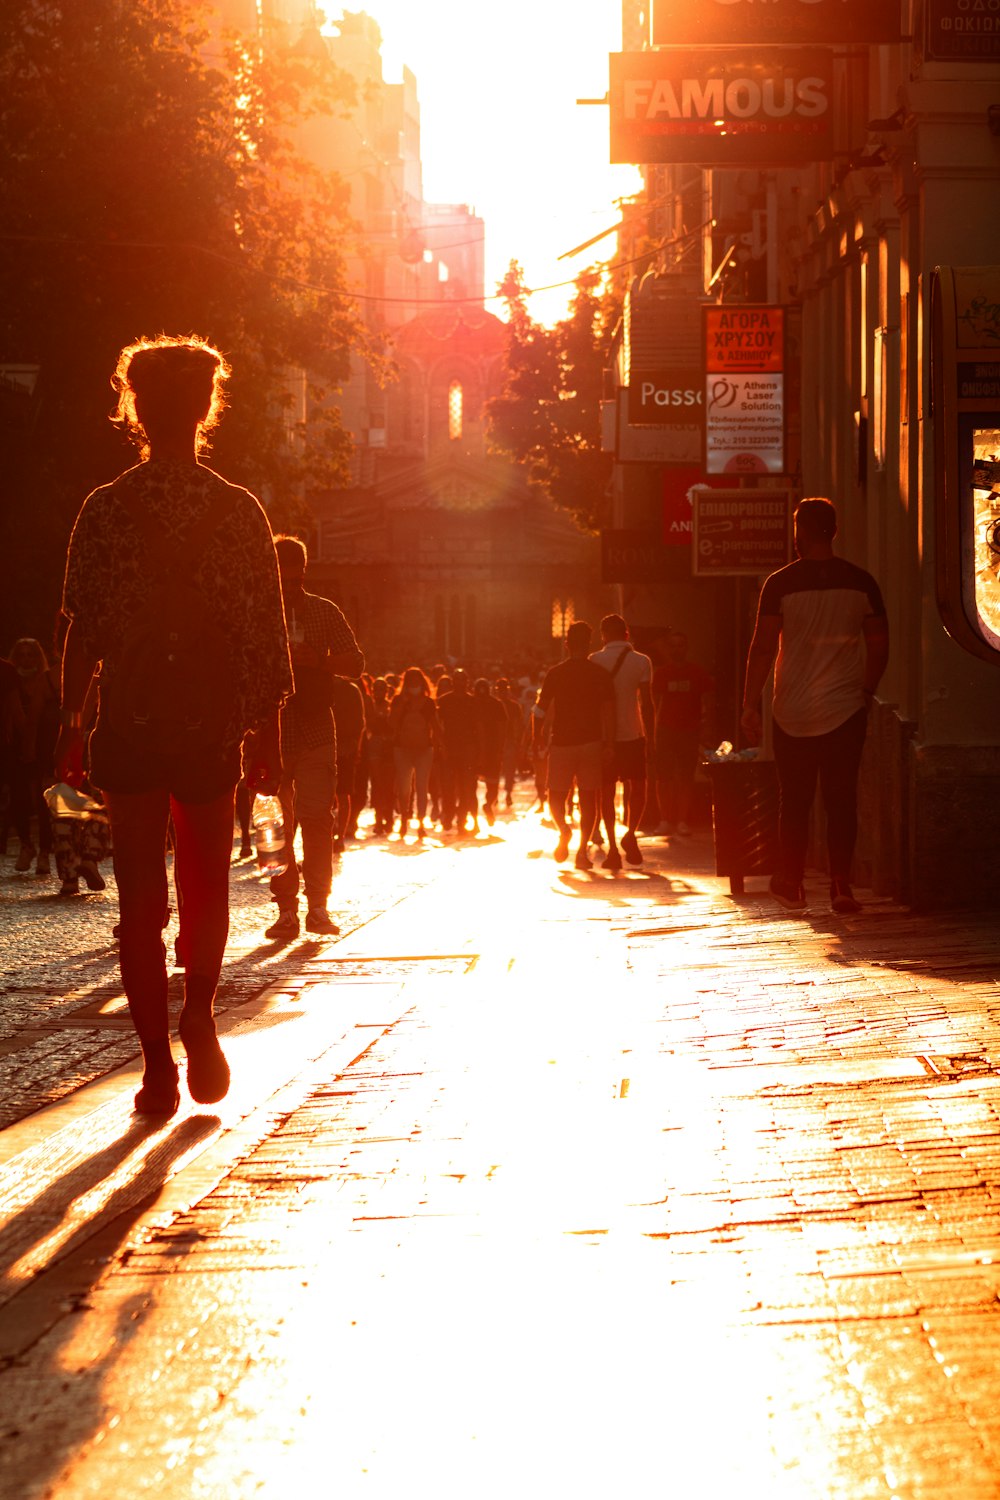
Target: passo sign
{"type": "Point", "coordinates": [722, 107]}
{"type": "Point", "coordinates": [728, 23]}
{"type": "Point", "coordinates": [662, 398]}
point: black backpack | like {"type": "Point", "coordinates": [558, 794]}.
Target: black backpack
{"type": "Point", "coordinates": [172, 689]}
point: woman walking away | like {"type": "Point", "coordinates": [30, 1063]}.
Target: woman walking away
{"type": "Point", "coordinates": [172, 587]}
{"type": "Point", "coordinates": [413, 722]}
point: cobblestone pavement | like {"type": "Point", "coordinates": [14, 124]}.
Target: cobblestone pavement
{"type": "Point", "coordinates": [537, 1182]}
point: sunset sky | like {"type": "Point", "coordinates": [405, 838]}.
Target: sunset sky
{"type": "Point", "coordinates": [501, 129]}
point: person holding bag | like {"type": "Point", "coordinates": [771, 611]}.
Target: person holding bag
{"type": "Point", "coordinates": [172, 589]}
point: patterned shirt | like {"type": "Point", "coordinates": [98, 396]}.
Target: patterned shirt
{"type": "Point", "coordinates": [316, 628]}
{"type": "Point", "coordinates": [109, 575]}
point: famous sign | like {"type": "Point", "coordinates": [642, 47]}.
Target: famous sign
{"type": "Point", "coordinates": [726, 107]}
{"type": "Point", "coordinates": [740, 531]}
{"type": "Point", "coordinates": [744, 389]}
{"type": "Point", "coordinates": [731, 23]}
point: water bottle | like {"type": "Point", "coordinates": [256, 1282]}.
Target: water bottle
{"type": "Point", "coordinates": [269, 835]}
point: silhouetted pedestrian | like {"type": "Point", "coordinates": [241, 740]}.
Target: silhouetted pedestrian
{"type": "Point", "coordinates": [172, 587]}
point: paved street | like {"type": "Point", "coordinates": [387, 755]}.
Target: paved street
{"type": "Point", "coordinates": [535, 1182]}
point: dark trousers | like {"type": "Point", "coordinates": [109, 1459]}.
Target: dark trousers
{"type": "Point", "coordinates": [202, 846]}
{"type": "Point", "coordinates": [835, 758]}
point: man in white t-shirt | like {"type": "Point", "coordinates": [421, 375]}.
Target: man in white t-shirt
{"type": "Point", "coordinates": [632, 674]}
{"type": "Point", "coordinates": [826, 620]}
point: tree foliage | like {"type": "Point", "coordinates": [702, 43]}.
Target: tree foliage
{"type": "Point", "coordinates": [152, 182]}
{"type": "Point", "coordinates": [548, 415]}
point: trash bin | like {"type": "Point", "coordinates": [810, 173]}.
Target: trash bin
{"type": "Point", "coordinates": [744, 818]}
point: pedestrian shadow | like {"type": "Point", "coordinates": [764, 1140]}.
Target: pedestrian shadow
{"type": "Point", "coordinates": [33, 1223]}
{"type": "Point", "coordinates": [614, 891]}
{"type": "Point", "coordinates": [962, 946]}
{"type": "Point", "coordinates": [48, 1307]}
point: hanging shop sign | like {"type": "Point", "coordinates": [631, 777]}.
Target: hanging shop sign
{"type": "Point", "coordinates": [744, 389]}
{"type": "Point", "coordinates": [663, 398]}
{"type": "Point", "coordinates": [962, 31]}
{"type": "Point", "coordinates": [730, 23]}
{"type": "Point", "coordinates": [679, 442]}
{"type": "Point", "coordinates": [678, 484]}
{"type": "Point", "coordinates": [740, 531]}
{"type": "Point", "coordinates": [725, 107]}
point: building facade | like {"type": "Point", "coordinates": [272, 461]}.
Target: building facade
{"type": "Point", "coordinates": [880, 244]}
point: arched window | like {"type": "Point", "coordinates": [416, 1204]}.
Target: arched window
{"type": "Point", "coordinates": [455, 410]}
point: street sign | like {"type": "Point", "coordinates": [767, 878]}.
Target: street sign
{"type": "Point", "coordinates": [963, 31]}
{"type": "Point", "coordinates": [722, 107]}
{"type": "Point", "coordinates": [744, 389]}
{"type": "Point", "coordinates": [730, 23]}
{"type": "Point", "coordinates": [740, 532]}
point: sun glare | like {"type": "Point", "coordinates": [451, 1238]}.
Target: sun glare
{"type": "Point", "coordinates": [501, 128]}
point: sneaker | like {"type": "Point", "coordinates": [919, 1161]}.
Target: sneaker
{"type": "Point", "coordinates": [285, 929]}
{"type": "Point", "coordinates": [630, 849]}
{"type": "Point", "coordinates": [42, 865]}
{"type": "Point", "coordinates": [24, 858]}
{"type": "Point", "coordinates": [246, 849]}
{"type": "Point", "coordinates": [791, 896]}
{"type": "Point", "coordinates": [583, 860]}
{"type": "Point", "coordinates": [561, 849]}
{"type": "Point", "coordinates": [318, 919]}
{"type": "Point", "coordinates": [70, 887]}
{"type": "Point", "coordinates": [612, 860]}
{"type": "Point", "coordinates": [92, 875]}
{"type": "Point", "coordinates": [842, 898]}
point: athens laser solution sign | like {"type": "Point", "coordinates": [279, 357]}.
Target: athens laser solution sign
{"type": "Point", "coordinates": [744, 389]}
{"type": "Point", "coordinates": [726, 106]}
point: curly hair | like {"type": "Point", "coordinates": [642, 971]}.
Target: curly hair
{"type": "Point", "coordinates": [182, 378]}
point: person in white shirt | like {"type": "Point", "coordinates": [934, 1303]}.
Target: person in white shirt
{"type": "Point", "coordinates": [632, 674]}
{"type": "Point", "coordinates": [826, 620]}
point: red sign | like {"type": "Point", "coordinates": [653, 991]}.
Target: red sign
{"type": "Point", "coordinates": [724, 107]}
{"type": "Point", "coordinates": [730, 23]}
{"type": "Point", "coordinates": [744, 389]}
{"type": "Point", "coordinates": [744, 337]}
{"type": "Point", "coordinates": [677, 510]}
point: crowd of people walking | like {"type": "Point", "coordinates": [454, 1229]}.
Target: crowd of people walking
{"type": "Point", "coordinates": [198, 671]}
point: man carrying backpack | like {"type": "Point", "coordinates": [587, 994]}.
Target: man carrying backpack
{"type": "Point", "coordinates": [172, 589]}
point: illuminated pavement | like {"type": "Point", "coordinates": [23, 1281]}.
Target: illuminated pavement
{"type": "Point", "coordinates": [536, 1183]}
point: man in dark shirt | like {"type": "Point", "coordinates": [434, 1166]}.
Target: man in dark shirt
{"type": "Point", "coordinates": [578, 697]}
{"type": "Point", "coordinates": [322, 643]}
{"type": "Point", "coordinates": [459, 728]}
